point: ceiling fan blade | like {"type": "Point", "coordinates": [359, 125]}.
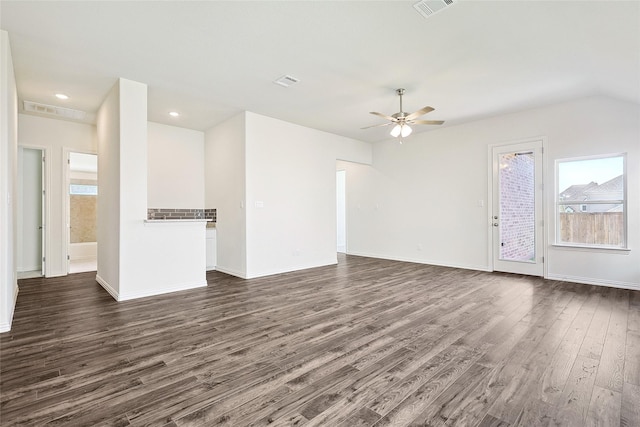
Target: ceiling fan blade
{"type": "Point", "coordinates": [376, 126]}
{"type": "Point", "coordinates": [383, 116]}
{"type": "Point", "coordinates": [427, 122]}
{"type": "Point", "coordinates": [419, 113]}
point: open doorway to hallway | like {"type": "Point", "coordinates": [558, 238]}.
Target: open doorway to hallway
{"type": "Point", "coordinates": [82, 197]}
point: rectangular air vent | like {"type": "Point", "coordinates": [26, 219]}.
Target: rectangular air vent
{"type": "Point", "coordinates": [52, 110]}
{"type": "Point", "coordinates": [427, 8]}
{"type": "Point", "coordinates": [286, 81]}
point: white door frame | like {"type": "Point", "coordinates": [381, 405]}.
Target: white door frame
{"type": "Point", "coordinates": [66, 220]}
{"type": "Point", "coordinates": [528, 144]}
{"type": "Point", "coordinates": [46, 199]}
{"type": "Point", "coordinates": [344, 216]}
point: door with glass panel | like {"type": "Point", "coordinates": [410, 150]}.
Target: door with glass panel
{"type": "Point", "coordinates": [516, 221]}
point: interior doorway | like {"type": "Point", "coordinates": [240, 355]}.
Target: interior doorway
{"type": "Point", "coordinates": [31, 207]}
{"type": "Point", "coordinates": [81, 212]}
{"type": "Point", "coordinates": [516, 220]}
{"type": "Point", "coordinates": [341, 211]}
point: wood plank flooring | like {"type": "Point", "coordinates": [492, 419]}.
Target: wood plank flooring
{"type": "Point", "coordinates": [365, 343]}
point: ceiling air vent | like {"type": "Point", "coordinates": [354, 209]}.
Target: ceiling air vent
{"type": "Point", "coordinates": [286, 81]}
{"type": "Point", "coordinates": [427, 8]}
{"type": "Point", "coordinates": [52, 110]}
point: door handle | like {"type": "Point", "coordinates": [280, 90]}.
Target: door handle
{"type": "Point", "coordinates": [40, 228]}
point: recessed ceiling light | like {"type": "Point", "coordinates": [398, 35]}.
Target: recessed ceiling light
{"type": "Point", "coordinates": [174, 113]}
{"type": "Point", "coordinates": [61, 96]}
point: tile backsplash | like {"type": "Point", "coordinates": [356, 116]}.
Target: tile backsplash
{"type": "Point", "coordinates": [162, 213]}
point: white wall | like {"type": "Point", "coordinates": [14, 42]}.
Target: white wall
{"type": "Point", "coordinates": [426, 191]}
{"type": "Point", "coordinates": [175, 167]}
{"type": "Point", "coordinates": [108, 209]}
{"type": "Point", "coordinates": [8, 184]}
{"type": "Point", "coordinates": [29, 221]}
{"type": "Point", "coordinates": [54, 136]}
{"type": "Point", "coordinates": [273, 184]}
{"type": "Point", "coordinates": [225, 191]}
{"type": "Point", "coordinates": [291, 194]}
{"type": "Point", "coordinates": [144, 259]}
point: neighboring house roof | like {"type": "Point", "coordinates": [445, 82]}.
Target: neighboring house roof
{"type": "Point", "coordinates": [609, 190]}
{"type": "Point", "coordinates": [576, 193]}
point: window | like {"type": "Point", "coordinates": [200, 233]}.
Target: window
{"type": "Point", "coordinates": [591, 202]}
{"type": "Point", "coordinates": [83, 190]}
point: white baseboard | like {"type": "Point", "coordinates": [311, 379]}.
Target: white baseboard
{"type": "Point", "coordinates": [231, 272]}
{"type": "Point", "coordinates": [6, 326]}
{"type": "Point", "coordinates": [171, 289]}
{"type": "Point", "coordinates": [290, 269]}
{"type": "Point", "coordinates": [596, 282]}
{"type": "Point", "coordinates": [135, 295]}
{"type": "Point", "coordinates": [83, 259]}
{"type": "Point", "coordinates": [421, 261]}
{"type": "Point", "coordinates": [107, 287]}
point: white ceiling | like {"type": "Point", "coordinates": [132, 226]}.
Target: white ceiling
{"type": "Point", "coordinates": [211, 60]}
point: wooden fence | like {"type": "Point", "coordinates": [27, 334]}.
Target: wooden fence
{"type": "Point", "coordinates": [602, 228]}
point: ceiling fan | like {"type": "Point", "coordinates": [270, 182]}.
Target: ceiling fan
{"type": "Point", "coordinates": [402, 120]}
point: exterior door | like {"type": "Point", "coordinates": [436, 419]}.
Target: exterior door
{"type": "Point", "coordinates": [516, 222]}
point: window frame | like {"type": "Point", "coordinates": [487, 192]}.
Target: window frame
{"type": "Point", "coordinates": [558, 203]}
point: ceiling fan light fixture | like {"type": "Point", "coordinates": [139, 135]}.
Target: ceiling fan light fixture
{"type": "Point", "coordinates": [401, 130]}
{"type": "Point", "coordinates": [401, 120]}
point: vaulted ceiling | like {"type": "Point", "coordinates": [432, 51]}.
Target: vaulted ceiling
{"type": "Point", "coordinates": [211, 60]}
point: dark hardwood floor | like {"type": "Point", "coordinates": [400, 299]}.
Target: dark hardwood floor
{"type": "Point", "coordinates": [365, 343]}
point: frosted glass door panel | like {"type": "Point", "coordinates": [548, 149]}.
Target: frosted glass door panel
{"type": "Point", "coordinates": [517, 207]}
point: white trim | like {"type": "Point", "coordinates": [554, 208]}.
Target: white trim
{"type": "Point", "coordinates": [84, 258]}
{"type": "Point", "coordinates": [107, 287]}
{"type": "Point", "coordinates": [596, 282]}
{"type": "Point", "coordinates": [174, 288]}
{"type": "Point", "coordinates": [46, 175]}
{"type": "Point", "coordinates": [6, 327]}
{"type": "Point", "coordinates": [174, 221]}
{"type": "Point", "coordinates": [290, 269]}
{"type": "Point", "coordinates": [66, 208]}
{"type": "Point", "coordinates": [624, 202]}
{"type": "Point", "coordinates": [586, 248]}
{"type": "Point", "coordinates": [421, 261]}
{"type": "Point", "coordinates": [126, 297]}
{"type": "Point", "coordinates": [231, 272]}
{"type": "Point", "coordinates": [542, 220]}
{"type": "Point", "coordinates": [22, 269]}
